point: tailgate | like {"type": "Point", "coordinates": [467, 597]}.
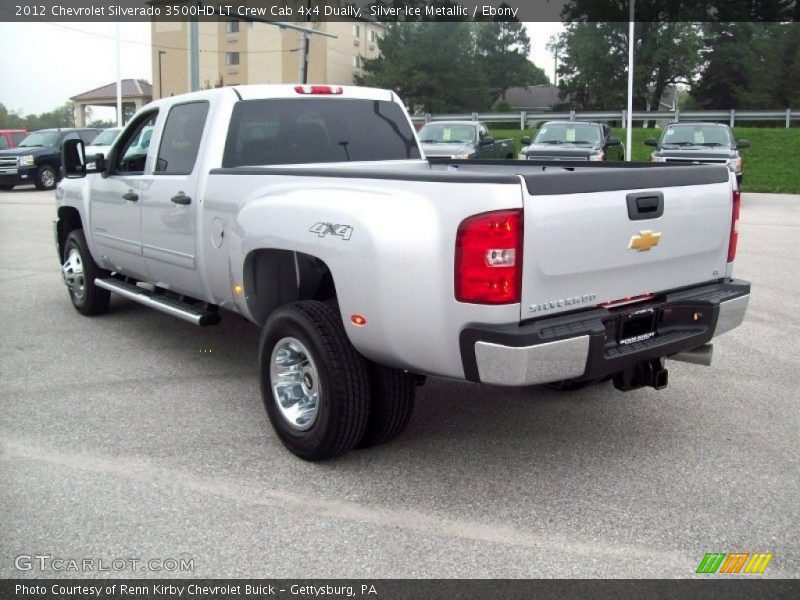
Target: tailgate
{"type": "Point", "coordinates": [604, 235]}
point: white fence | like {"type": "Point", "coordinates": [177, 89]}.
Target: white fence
{"type": "Point", "coordinates": [525, 118]}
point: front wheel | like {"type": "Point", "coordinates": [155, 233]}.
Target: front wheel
{"type": "Point", "coordinates": [6, 188]}
{"type": "Point", "coordinates": [45, 178]}
{"type": "Point", "coordinates": [79, 272]}
{"type": "Point", "coordinates": [314, 384]}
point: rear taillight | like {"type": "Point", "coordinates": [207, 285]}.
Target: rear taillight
{"type": "Point", "coordinates": [319, 89]}
{"type": "Point", "coordinates": [489, 258]}
{"type": "Point", "coordinates": [734, 239]}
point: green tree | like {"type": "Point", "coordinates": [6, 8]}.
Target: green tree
{"type": "Point", "coordinates": [434, 67]}
{"type": "Point", "coordinates": [593, 59]}
{"type": "Point", "coordinates": [503, 49]}
{"type": "Point", "coordinates": [749, 65]}
{"type": "Point", "coordinates": [450, 66]}
{"type": "Point", "coordinates": [592, 65]}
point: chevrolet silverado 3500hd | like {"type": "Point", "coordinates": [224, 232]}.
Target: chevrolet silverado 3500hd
{"type": "Point", "coordinates": [312, 212]}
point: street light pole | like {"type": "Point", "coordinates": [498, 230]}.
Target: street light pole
{"type": "Point", "coordinates": [160, 89]}
{"type": "Point", "coordinates": [629, 124]}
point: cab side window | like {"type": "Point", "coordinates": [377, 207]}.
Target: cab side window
{"type": "Point", "coordinates": [3, 141]}
{"type": "Point", "coordinates": [132, 151]}
{"type": "Point", "coordinates": [180, 141]}
{"type": "Point", "coordinates": [482, 131]}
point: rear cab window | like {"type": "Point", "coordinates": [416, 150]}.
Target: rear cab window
{"type": "Point", "coordinates": [180, 140]}
{"type": "Point", "coordinates": [317, 130]}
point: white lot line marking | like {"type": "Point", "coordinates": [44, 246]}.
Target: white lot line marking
{"type": "Point", "coordinates": [144, 472]}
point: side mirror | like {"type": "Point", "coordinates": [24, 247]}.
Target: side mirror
{"type": "Point", "coordinates": [487, 140]}
{"type": "Point", "coordinates": [73, 159]}
{"type": "Point", "coordinates": [526, 140]}
{"type": "Point", "coordinates": [96, 163]}
{"type": "Point", "coordinates": [614, 141]}
{"type": "Point", "coordinates": [743, 144]}
{"type": "Point", "coordinates": [651, 142]}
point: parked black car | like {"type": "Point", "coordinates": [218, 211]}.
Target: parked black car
{"type": "Point", "coordinates": [37, 158]}
{"type": "Point", "coordinates": [699, 143]}
{"type": "Point", "coordinates": [572, 140]}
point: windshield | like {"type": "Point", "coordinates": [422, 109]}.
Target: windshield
{"type": "Point", "coordinates": [443, 133]}
{"type": "Point", "coordinates": [696, 135]}
{"type": "Point", "coordinates": [568, 133]}
{"type": "Point", "coordinates": [40, 138]}
{"type": "Point", "coordinates": [317, 130]}
{"type": "Point", "coordinates": [106, 138]}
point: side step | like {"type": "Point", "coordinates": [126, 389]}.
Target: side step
{"type": "Point", "coordinates": [176, 308]}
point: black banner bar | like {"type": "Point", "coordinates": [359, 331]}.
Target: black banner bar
{"type": "Point", "coordinates": [713, 587]}
{"type": "Point", "coordinates": [399, 10]}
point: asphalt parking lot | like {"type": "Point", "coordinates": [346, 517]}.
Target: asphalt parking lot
{"type": "Point", "coordinates": [135, 435]}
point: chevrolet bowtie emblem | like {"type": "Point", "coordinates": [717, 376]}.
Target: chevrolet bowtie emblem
{"type": "Point", "coordinates": [644, 241]}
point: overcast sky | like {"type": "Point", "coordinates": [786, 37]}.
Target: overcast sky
{"type": "Point", "coordinates": [43, 64]}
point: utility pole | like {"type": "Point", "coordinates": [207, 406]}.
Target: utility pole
{"type": "Point", "coordinates": [555, 65]}
{"type": "Point", "coordinates": [194, 55]}
{"type": "Point", "coordinates": [304, 48]}
{"type": "Point", "coordinates": [119, 83]}
{"type": "Point", "coordinates": [160, 89]}
{"type": "Point", "coordinates": [303, 78]}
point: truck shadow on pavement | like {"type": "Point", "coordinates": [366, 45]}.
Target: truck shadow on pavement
{"type": "Point", "coordinates": [487, 426]}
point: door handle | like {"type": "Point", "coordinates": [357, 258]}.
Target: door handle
{"type": "Point", "coordinates": [130, 196]}
{"type": "Point", "coordinates": [181, 198]}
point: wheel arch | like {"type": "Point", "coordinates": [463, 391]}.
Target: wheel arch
{"type": "Point", "coordinates": [273, 277]}
{"type": "Point", "coordinates": [69, 219]}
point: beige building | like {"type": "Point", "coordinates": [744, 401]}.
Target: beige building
{"type": "Point", "coordinates": [239, 52]}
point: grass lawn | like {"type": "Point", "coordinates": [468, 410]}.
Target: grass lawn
{"type": "Point", "coordinates": [771, 163]}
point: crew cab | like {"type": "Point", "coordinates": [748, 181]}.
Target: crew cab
{"type": "Point", "coordinates": [572, 140]}
{"type": "Point", "coordinates": [312, 212]}
{"type": "Point", "coordinates": [462, 140]}
{"type": "Point", "coordinates": [37, 158]}
{"type": "Point", "coordinates": [700, 143]}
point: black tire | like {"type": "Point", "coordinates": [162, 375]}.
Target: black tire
{"type": "Point", "coordinates": [343, 403]}
{"type": "Point", "coordinates": [93, 300]}
{"type": "Point", "coordinates": [46, 178]}
{"type": "Point", "coordinates": [6, 188]}
{"type": "Point", "coordinates": [393, 393]}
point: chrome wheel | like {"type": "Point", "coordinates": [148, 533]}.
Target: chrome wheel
{"type": "Point", "coordinates": [295, 383]}
{"type": "Point", "coordinates": [72, 272]}
{"type": "Point", "coordinates": [48, 178]}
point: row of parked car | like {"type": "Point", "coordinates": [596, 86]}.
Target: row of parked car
{"type": "Point", "coordinates": [686, 143]}
{"type": "Point", "coordinates": [35, 158]}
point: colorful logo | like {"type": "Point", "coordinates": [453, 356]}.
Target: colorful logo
{"type": "Point", "coordinates": [734, 562]}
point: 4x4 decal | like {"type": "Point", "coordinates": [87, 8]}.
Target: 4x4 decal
{"type": "Point", "coordinates": [323, 229]}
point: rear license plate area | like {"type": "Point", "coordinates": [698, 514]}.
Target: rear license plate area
{"type": "Point", "coordinates": [636, 326]}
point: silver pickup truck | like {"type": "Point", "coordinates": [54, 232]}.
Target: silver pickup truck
{"type": "Point", "coordinates": [312, 212]}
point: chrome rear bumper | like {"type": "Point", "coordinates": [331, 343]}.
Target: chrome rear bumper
{"type": "Point", "coordinates": [584, 345]}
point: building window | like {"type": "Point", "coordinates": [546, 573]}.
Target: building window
{"type": "Point", "coordinates": [232, 27]}
{"type": "Point", "coordinates": [231, 58]}
{"type": "Point", "coordinates": [356, 30]}
{"type": "Point", "coordinates": [373, 37]}
{"type": "Point", "coordinates": [356, 62]}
